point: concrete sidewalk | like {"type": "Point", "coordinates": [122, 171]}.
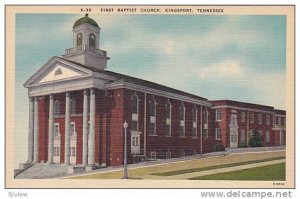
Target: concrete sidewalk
{"type": "Point", "coordinates": [213, 171]}
{"type": "Point", "coordinates": [146, 168]}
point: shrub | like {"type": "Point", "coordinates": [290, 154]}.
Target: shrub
{"type": "Point", "coordinates": [219, 147]}
{"type": "Point", "coordinates": [256, 139]}
{"type": "Point", "coordinates": [242, 145]}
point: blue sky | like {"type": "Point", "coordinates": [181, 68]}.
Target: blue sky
{"type": "Point", "coordinates": [217, 57]}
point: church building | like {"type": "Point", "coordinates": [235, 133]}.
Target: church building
{"type": "Point", "coordinates": [77, 109]}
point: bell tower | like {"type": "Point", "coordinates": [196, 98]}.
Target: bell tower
{"type": "Point", "coordinates": [86, 34]}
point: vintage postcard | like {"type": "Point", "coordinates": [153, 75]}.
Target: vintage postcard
{"type": "Point", "coordinates": [150, 96]}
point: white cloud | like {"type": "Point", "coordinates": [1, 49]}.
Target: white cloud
{"type": "Point", "coordinates": [225, 69]}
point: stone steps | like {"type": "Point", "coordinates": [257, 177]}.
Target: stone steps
{"type": "Point", "coordinates": [42, 170]}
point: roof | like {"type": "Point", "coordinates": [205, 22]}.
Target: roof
{"type": "Point", "coordinates": [138, 81]}
{"type": "Point", "coordinates": [85, 19]}
{"type": "Point", "coordinates": [280, 112]}
{"type": "Point", "coordinates": [242, 104]}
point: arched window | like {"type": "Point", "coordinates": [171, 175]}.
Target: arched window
{"type": "Point", "coordinates": [151, 105]}
{"type": "Point", "coordinates": [134, 112]}
{"type": "Point", "coordinates": [73, 106]}
{"type": "Point", "coordinates": [194, 114]}
{"type": "Point", "coordinates": [79, 39]}
{"type": "Point", "coordinates": [57, 107]}
{"type": "Point", "coordinates": [168, 118]}
{"type": "Point", "coordinates": [182, 120]}
{"type": "Point", "coordinates": [152, 113]}
{"type": "Point", "coordinates": [92, 40]}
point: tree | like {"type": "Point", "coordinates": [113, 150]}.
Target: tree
{"type": "Point", "coordinates": [256, 139]}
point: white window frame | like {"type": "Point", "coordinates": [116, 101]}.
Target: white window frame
{"type": "Point", "coordinates": [73, 106]}
{"type": "Point", "coordinates": [260, 118]}
{"type": "Point", "coordinates": [135, 116]}
{"type": "Point", "coordinates": [218, 132]}
{"type": "Point", "coordinates": [242, 135]}
{"type": "Point", "coordinates": [195, 123]}
{"type": "Point", "coordinates": [218, 115]}
{"type": "Point", "coordinates": [58, 134]}
{"type": "Point", "coordinates": [268, 119]}
{"type": "Point", "coordinates": [243, 116]}
{"type": "Point", "coordinates": [56, 107]}
{"type": "Point", "coordinates": [252, 117]}
{"type": "Point", "coordinates": [153, 118]}
{"type": "Point", "coordinates": [182, 122]}
{"type": "Point", "coordinates": [74, 133]}
{"type": "Point", "coordinates": [279, 121]}
{"type": "Point", "coordinates": [169, 120]}
{"type": "Point", "coordinates": [205, 136]}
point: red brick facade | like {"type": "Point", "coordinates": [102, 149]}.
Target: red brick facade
{"type": "Point", "coordinates": [262, 122]}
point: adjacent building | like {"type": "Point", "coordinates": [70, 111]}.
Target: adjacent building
{"type": "Point", "coordinates": [77, 109]}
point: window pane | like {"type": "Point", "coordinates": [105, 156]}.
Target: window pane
{"type": "Point", "coordinates": [134, 104]}
{"type": "Point", "coordinates": [151, 107]}
{"type": "Point", "coordinates": [133, 125]}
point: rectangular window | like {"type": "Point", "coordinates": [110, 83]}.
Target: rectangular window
{"type": "Point", "coordinates": [218, 115]}
{"type": "Point", "coordinates": [243, 117]}
{"type": "Point", "coordinates": [259, 118]}
{"type": "Point", "coordinates": [252, 118]}
{"type": "Point", "coordinates": [181, 131]}
{"type": "Point", "coordinates": [243, 135]}
{"type": "Point", "coordinates": [283, 121]}
{"type": "Point", "coordinates": [56, 130]}
{"type": "Point", "coordinates": [168, 119]}
{"type": "Point", "coordinates": [73, 151]}
{"type": "Point", "coordinates": [268, 136]}
{"type": "Point", "coordinates": [56, 151]}
{"type": "Point", "coordinates": [274, 120]}
{"type": "Point", "coordinates": [279, 120]}
{"type": "Point", "coordinates": [72, 129]}
{"type": "Point", "coordinates": [205, 134]}
{"type": "Point", "coordinates": [218, 134]}
{"type": "Point", "coordinates": [268, 118]}
{"type": "Point", "coordinates": [194, 114]}
{"type": "Point", "coordinates": [134, 125]}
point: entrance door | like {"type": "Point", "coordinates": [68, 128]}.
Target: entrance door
{"type": "Point", "coordinates": [73, 144]}
{"type": "Point", "coordinates": [233, 139]}
{"type": "Point", "coordinates": [56, 147]}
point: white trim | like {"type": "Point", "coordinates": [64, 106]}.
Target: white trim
{"type": "Point", "coordinates": [169, 120]}
{"type": "Point", "coordinates": [216, 134]}
{"type": "Point", "coordinates": [182, 122]}
{"type": "Point", "coordinates": [240, 108]}
{"type": "Point", "coordinates": [75, 133]}
{"type": "Point", "coordinates": [153, 118]}
{"type": "Point", "coordinates": [135, 116]}
{"type": "Point", "coordinates": [56, 124]}
{"type": "Point", "coordinates": [195, 123]}
{"type": "Point", "coordinates": [218, 119]}
{"type": "Point", "coordinates": [157, 92]}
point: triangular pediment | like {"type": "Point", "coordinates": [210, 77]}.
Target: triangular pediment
{"type": "Point", "coordinates": [60, 72]}
{"type": "Point", "coordinates": [57, 69]}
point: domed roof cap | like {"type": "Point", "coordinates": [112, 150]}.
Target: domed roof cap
{"type": "Point", "coordinates": [85, 19]}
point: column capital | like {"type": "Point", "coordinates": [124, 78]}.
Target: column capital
{"type": "Point", "coordinates": [36, 98]}
{"type": "Point", "coordinates": [92, 91]}
{"type": "Point", "coordinates": [85, 91]}
{"type": "Point", "coordinates": [51, 96]}
{"type": "Point", "coordinates": [68, 94]}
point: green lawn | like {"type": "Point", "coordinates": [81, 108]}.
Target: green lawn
{"type": "Point", "coordinates": [275, 172]}
{"type": "Point", "coordinates": [177, 172]}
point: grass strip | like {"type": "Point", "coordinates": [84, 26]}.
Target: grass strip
{"type": "Point", "coordinates": [183, 171]}
{"type": "Point", "coordinates": [274, 172]}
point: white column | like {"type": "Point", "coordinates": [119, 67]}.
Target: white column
{"type": "Point", "coordinates": [67, 129]}
{"type": "Point", "coordinates": [85, 128]}
{"type": "Point", "coordinates": [91, 141]}
{"type": "Point", "coordinates": [30, 130]}
{"type": "Point", "coordinates": [51, 129]}
{"type": "Point", "coordinates": [36, 131]}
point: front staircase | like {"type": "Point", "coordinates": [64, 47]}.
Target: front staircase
{"type": "Point", "coordinates": [43, 170]}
